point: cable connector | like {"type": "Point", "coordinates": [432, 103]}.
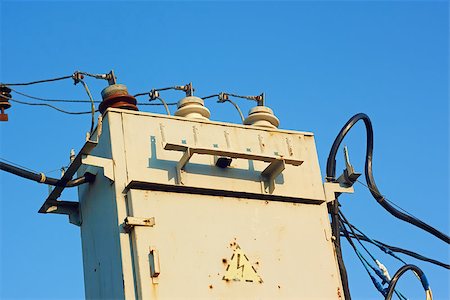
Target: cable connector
{"type": "Point", "coordinates": [384, 270]}
{"type": "Point", "coordinates": [223, 97]}
{"type": "Point", "coordinates": [153, 95]}
{"type": "Point", "coordinates": [77, 77]}
{"type": "Point", "coordinates": [349, 176]}
{"type": "Point", "coordinates": [187, 88]}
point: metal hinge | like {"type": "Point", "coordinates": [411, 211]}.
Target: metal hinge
{"type": "Point", "coordinates": [130, 222]}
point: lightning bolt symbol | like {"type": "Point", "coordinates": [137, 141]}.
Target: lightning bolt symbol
{"type": "Point", "coordinates": [240, 266]}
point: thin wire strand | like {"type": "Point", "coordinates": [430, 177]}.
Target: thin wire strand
{"type": "Point", "coordinates": [39, 81]}
{"type": "Point", "coordinates": [210, 96]}
{"type": "Point", "coordinates": [52, 100]}
{"type": "Point", "coordinates": [157, 104]}
{"type": "Point", "coordinates": [51, 106]}
{"type": "Point", "coordinates": [59, 169]}
{"type": "Point", "coordinates": [159, 89]}
{"type": "Point", "coordinates": [402, 209]}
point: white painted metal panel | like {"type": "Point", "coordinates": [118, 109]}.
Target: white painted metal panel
{"type": "Point", "coordinates": [288, 244]}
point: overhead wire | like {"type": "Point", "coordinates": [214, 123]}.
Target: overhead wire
{"type": "Point", "coordinates": [51, 106]}
{"type": "Point", "coordinates": [80, 100]}
{"type": "Point", "coordinates": [390, 249]}
{"type": "Point", "coordinates": [381, 271]}
{"type": "Point", "coordinates": [357, 236]}
{"type": "Point", "coordinates": [52, 100]}
{"type": "Point", "coordinates": [364, 262]}
{"type": "Point", "coordinates": [39, 81]}
{"type": "Point", "coordinates": [391, 202]}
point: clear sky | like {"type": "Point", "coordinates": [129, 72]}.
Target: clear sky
{"type": "Point", "coordinates": [318, 62]}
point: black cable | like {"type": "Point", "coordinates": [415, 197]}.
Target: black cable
{"type": "Point", "coordinates": [156, 104]}
{"type": "Point", "coordinates": [41, 178]}
{"type": "Point", "coordinates": [51, 106]}
{"type": "Point", "coordinates": [39, 81]}
{"type": "Point", "coordinates": [159, 89]}
{"type": "Point", "coordinates": [53, 100]}
{"type": "Point", "coordinates": [342, 270]}
{"type": "Point", "coordinates": [375, 282]}
{"type": "Point", "coordinates": [404, 251]}
{"type": "Point", "coordinates": [335, 229]}
{"type": "Point", "coordinates": [400, 272]}
{"type": "Point", "coordinates": [331, 172]}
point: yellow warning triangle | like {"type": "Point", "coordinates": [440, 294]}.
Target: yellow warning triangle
{"type": "Point", "coordinates": [240, 268]}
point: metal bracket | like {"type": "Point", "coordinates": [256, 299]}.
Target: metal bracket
{"type": "Point", "coordinates": [154, 264]}
{"type": "Point", "coordinates": [105, 163]}
{"type": "Point", "coordinates": [70, 208]}
{"type": "Point", "coordinates": [182, 163]}
{"type": "Point", "coordinates": [276, 166]}
{"type": "Point", "coordinates": [271, 172]}
{"type": "Point", "coordinates": [344, 184]}
{"type": "Point", "coordinates": [333, 189]}
{"type": "Point", "coordinates": [349, 176]}
{"type": "Point", "coordinates": [130, 222]}
{"type": "Point", "coordinates": [52, 205]}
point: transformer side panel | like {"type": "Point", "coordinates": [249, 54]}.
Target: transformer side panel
{"type": "Point", "coordinates": [102, 252]}
{"type": "Point", "coordinates": [211, 247]}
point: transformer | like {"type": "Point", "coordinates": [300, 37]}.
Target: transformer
{"type": "Point", "coordinates": [183, 207]}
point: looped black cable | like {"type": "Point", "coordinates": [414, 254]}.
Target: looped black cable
{"type": "Point", "coordinates": [400, 272]}
{"type": "Point", "coordinates": [331, 173]}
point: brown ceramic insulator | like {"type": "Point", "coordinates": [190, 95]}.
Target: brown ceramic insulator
{"type": "Point", "coordinates": [4, 104]}
{"type": "Point", "coordinates": [118, 101]}
{"type": "Point", "coordinates": [117, 96]}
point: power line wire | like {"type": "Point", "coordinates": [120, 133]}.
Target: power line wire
{"type": "Point", "coordinates": [52, 100]}
{"type": "Point", "coordinates": [39, 81]}
{"type": "Point", "coordinates": [51, 106]}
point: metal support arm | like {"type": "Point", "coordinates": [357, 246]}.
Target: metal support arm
{"type": "Point", "coordinates": [276, 166]}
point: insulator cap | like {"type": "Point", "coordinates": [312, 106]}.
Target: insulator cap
{"type": "Point", "coordinates": [5, 95]}
{"type": "Point", "coordinates": [116, 96]}
{"type": "Point", "coordinates": [262, 116]}
{"type": "Point", "coordinates": [192, 107]}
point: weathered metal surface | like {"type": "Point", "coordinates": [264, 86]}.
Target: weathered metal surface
{"type": "Point", "coordinates": [281, 236]}
{"type": "Point", "coordinates": [197, 235]}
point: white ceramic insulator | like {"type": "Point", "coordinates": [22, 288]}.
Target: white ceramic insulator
{"type": "Point", "coordinates": [193, 108]}
{"type": "Point", "coordinates": [262, 116]}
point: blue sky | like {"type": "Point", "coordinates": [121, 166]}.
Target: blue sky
{"type": "Point", "coordinates": [318, 63]}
